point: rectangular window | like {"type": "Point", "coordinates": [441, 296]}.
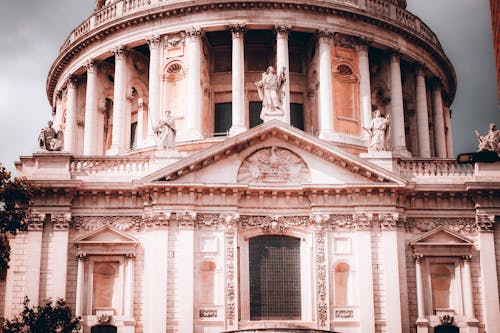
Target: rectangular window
{"type": "Point", "coordinates": [274, 266]}
{"type": "Point", "coordinates": [223, 118]}
{"type": "Point", "coordinates": [133, 139]}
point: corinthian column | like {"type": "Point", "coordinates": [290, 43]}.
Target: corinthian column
{"type": "Point", "coordinates": [69, 135]}
{"type": "Point", "coordinates": [467, 283]}
{"type": "Point", "coordinates": [154, 85]}
{"type": "Point", "coordinates": [364, 85]}
{"type": "Point", "coordinates": [119, 103]}
{"type": "Point", "coordinates": [424, 144]}
{"type": "Point", "coordinates": [282, 64]}
{"type": "Point", "coordinates": [238, 85]}
{"type": "Point", "coordinates": [325, 86]}
{"type": "Point", "coordinates": [90, 137]}
{"type": "Point", "coordinates": [397, 109]}
{"type": "Point", "coordinates": [193, 117]}
{"type": "Point", "coordinates": [438, 119]}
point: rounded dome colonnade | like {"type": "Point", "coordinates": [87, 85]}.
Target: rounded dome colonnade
{"type": "Point", "coordinates": [131, 60]}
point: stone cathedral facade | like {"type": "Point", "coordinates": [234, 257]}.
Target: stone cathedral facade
{"type": "Point", "coordinates": [299, 223]}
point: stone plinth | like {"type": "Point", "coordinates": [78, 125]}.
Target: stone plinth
{"type": "Point", "coordinates": [45, 166]}
{"type": "Point", "coordinates": [380, 158]}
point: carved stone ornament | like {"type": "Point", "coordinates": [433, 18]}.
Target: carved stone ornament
{"type": "Point", "coordinates": [193, 32]}
{"type": "Point", "coordinates": [344, 40]}
{"type": "Point", "coordinates": [274, 165]}
{"type": "Point", "coordinates": [104, 318]}
{"type": "Point", "coordinates": [122, 223]}
{"type": "Point", "coordinates": [321, 279]}
{"type": "Point", "coordinates": [484, 222]}
{"type": "Point", "coordinates": [208, 313]}
{"type": "Point", "coordinates": [35, 221]}
{"type": "Point", "coordinates": [229, 268]}
{"type": "Point", "coordinates": [447, 320]}
{"type": "Point", "coordinates": [458, 225]}
{"type": "Point", "coordinates": [362, 221]}
{"type": "Point", "coordinates": [389, 221]}
{"type": "Point", "coordinates": [238, 30]}
{"type": "Point", "coordinates": [61, 221]}
{"type": "Point", "coordinates": [274, 224]}
{"type": "Point", "coordinates": [175, 40]}
{"type": "Point", "coordinates": [342, 222]}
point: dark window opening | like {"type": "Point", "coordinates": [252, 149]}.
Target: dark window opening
{"type": "Point", "coordinates": [133, 139]}
{"type": "Point", "coordinates": [254, 114]}
{"type": "Point", "coordinates": [297, 115]}
{"type": "Point", "coordinates": [274, 278]}
{"type": "Point", "coordinates": [223, 118]}
{"type": "Point", "coordinates": [446, 329]}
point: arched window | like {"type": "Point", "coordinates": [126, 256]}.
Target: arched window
{"type": "Point", "coordinates": [207, 282]}
{"type": "Point", "coordinates": [441, 286]}
{"type": "Point", "coordinates": [274, 266]}
{"type": "Point", "coordinates": [341, 280]}
{"type": "Point", "coordinates": [346, 90]}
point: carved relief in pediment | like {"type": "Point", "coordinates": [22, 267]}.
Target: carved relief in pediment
{"type": "Point", "coordinates": [274, 165]}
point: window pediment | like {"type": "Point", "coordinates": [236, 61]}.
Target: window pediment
{"type": "Point", "coordinates": [106, 240]}
{"type": "Point", "coordinates": [441, 242]}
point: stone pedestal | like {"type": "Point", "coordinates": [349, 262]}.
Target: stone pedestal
{"type": "Point", "coordinates": [162, 158]}
{"type": "Point", "coordinates": [383, 159]}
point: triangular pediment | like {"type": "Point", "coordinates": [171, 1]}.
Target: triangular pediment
{"type": "Point", "coordinates": [441, 236]}
{"type": "Point", "coordinates": [106, 235]}
{"type": "Point", "coordinates": [274, 153]}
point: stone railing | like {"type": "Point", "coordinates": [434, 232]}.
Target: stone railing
{"type": "Point", "coordinates": [109, 166]}
{"type": "Point", "coordinates": [378, 8]}
{"type": "Point", "coordinates": [436, 168]}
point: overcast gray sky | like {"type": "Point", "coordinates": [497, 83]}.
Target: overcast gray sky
{"type": "Point", "coordinates": [32, 31]}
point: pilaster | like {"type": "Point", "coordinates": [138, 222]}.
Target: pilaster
{"type": "Point", "coordinates": [231, 272]}
{"type": "Point", "coordinates": [154, 44]}
{"type": "Point", "coordinates": [321, 278]}
{"type": "Point", "coordinates": [80, 284]}
{"type": "Point", "coordinates": [59, 261]}
{"type": "Point", "coordinates": [33, 260]}
{"type": "Point", "coordinates": [186, 275]}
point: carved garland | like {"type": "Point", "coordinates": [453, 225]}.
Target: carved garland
{"type": "Point", "coordinates": [229, 268]}
{"type": "Point", "coordinates": [321, 279]}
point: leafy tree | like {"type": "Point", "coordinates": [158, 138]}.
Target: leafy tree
{"type": "Point", "coordinates": [52, 317]}
{"type": "Point", "coordinates": [15, 197]}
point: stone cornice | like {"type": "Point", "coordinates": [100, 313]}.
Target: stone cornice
{"type": "Point", "coordinates": [403, 23]}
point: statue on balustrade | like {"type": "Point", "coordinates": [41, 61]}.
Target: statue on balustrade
{"type": "Point", "coordinates": [378, 132]}
{"type": "Point", "coordinates": [491, 141]}
{"type": "Point", "coordinates": [270, 89]}
{"type": "Point", "coordinates": [49, 139]}
{"type": "Point", "coordinates": [165, 132]}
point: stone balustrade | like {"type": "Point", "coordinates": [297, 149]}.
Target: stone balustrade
{"type": "Point", "coordinates": [109, 166]}
{"type": "Point", "coordinates": [431, 167]}
{"type": "Point", "coordinates": [381, 8]}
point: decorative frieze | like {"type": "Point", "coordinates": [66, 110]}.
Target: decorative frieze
{"type": "Point", "coordinates": [274, 224]}
{"type": "Point", "coordinates": [207, 313]}
{"type": "Point", "coordinates": [122, 223]}
{"type": "Point", "coordinates": [61, 221]}
{"type": "Point", "coordinates": [484, 222]}
{"type": "Point", "coordinates": [425, 224]}
{"type": "Point", "coordinates": [229, 272]}
{"type": "Point", "coordinates": [341, 223]}
{"type": "Point", "coordinates": [35, 221]}
{"type": "Point", "coordinates": [175, 40]}
{"type": "Point", "coordinates": [389, 221]}
{"type": "Point", "coordinates": [362, 221]}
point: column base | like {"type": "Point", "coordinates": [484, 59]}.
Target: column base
{"type": "Point", "coordinates": [115, 151]}
{"type": "Point", "coordinates": [422, 325]}
{"type": "Point", "coordinates": [237, 129]}
{"type": "Point", "coordinates": [380, 158]}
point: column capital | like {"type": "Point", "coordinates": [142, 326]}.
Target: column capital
{"type": "Point", "coordinates": [81, 256]}
{"type": "Point", "coordinates": [394, 56]}
{"type": "Point", "coordinates": [419, 69]}
{"type": "Point", "coordinates": [484, 222]}
{"type": "Point", "coordinates": [119, 52]}
{"type": "Point", "coordinates": [418, 258]}
{"type": "Point", "coordinates": [59, 95]}
{"type": "Point", "coordinates": [282, 30]}
{"type": "Point", "coordinates": [324, 34]}
{"type": "Point", "coordinates": [153, 42]}
{"type": "Point", "coordinates": [466, 259]}
{"type": "Point", "coordinates": [194, 32]}
{"type": "Point", "coordinates": [130, 256]}
{"type": "Point", "coordinates": [91, 66]}
{"type": "Point", "coordinates": [237, 30]}
{"type": "Point", "coordinates": [71, 81]}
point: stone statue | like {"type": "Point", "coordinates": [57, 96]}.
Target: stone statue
{"type": "Point", "coordinates": [165, 132]}
{"type": "Point", "coordinates": [270, 89]}
{"type": "Point", "coordinates": [377, 131]}
{"type": "Point", "coordinates": [49, 140]}
{"type": "Point", "coordinates": [491, 141]}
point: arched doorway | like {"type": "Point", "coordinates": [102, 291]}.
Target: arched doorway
{"type": "Point", "coordinates": [446, 329]}
{"type": "Point", "coordinates": [103, 329]}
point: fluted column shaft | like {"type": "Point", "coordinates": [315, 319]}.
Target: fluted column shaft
{"type": "Point", "coordinates": [424, 143]}
{"type": "Point", "coordinates": [420, 288]}
{"type": "Point", "coordinates": [438, 119]}
{"type": "Point", "coordinates": [325, 86]}
{"type": "Point", "coordinates": [80, 287]}
{"type": "Point", "coordinates": [194, 85]}
{"type": "Point", "coordinates": [364, 85]}
{"type": "Point", "coordinates": [397, 109]}
{"type": "Point", "coordinates": [238, 80]}
{"type": "Point", "coordinates": [119, 103]}
{"type": "Point", "coordinates": [69, 135]}
{"type": "Point", "coordinates": [154, 85]}
{"type": "Point", "coordinates": [90, 129]}
{"type": "Point", "coordinates": [58, 111]}
{"type": "Point", "coordinates": [467, 280]}
{"type": "Point", "coordinates": [282, 64]}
